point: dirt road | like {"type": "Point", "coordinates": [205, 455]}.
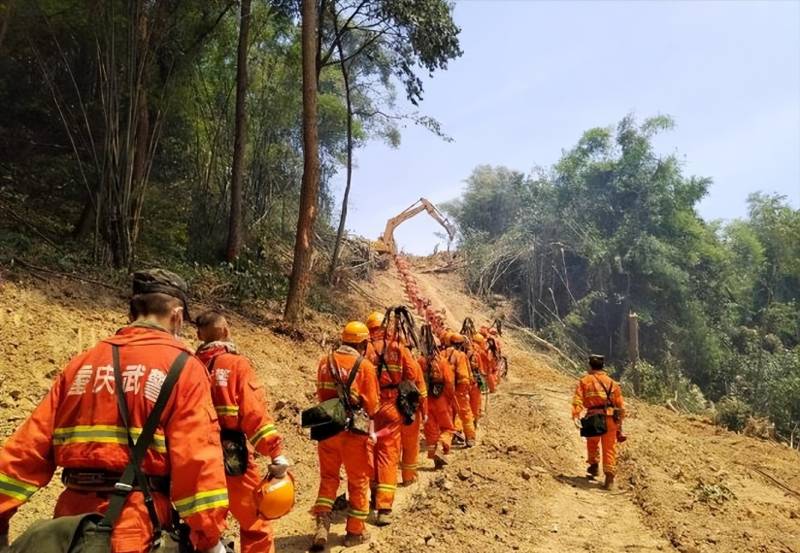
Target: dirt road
{"type": "Point", "coordinates": [684, 484]}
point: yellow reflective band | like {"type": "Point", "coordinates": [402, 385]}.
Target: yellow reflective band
{"type": "Point", "coordinates": [394, 368]}
{"type": "Point", "coordinates": [264, 432]}
{"type": "Point", "coordinates": [324, 501]}
{"type": "Point", "coordinates": [227, 410]}
{"type": "Point", "coordinates": [103, 434]}
{"type": "Point", "coordinates": [386, 487]}
{"type": "Point", "coordinates": [16, 489]}
{"type": "Point", "coordinates": [202, 502]}
{"type": "Point", "coordinates": [361, 515]}
{"type": "Point", "coordinates": [408, 467]}
{"type": "Point", "coordinates": [326, 385]}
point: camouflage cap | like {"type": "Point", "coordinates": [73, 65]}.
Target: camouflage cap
{"type": "Point", "coordinates": [161, 281]}
{"type": "Point", "coordinates": [596, 360]}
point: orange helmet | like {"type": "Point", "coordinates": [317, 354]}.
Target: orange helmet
{"type": "Point", "coordinates": [478, 338]}
{"type": "Point", "coordinates": [484, 330]}
{"type": "Point", "coordinates": [355, 332]}
{"type": "Point", "coordinates": [275, 496]}
{"type": "Point", "coordinates": [456, 338]}
{"type": "Point", "coordinates": [374, 320]}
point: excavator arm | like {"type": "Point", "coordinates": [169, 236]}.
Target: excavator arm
{"type": "Point", "coordinates": [386, 243]}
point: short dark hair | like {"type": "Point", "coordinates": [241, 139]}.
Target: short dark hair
{"type": "Point", "coordinates": [209, 318]}
{"type": "Point", "coordinates": [155, 304]}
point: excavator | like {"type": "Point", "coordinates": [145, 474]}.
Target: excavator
{"type": "Point", "coordinates": [386, 244]}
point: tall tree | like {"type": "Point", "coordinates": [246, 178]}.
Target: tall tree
{"type": "Point", "coordinates": [384, 37]}
{"type": "Point", "coordinates": [299, 281]}
{"type": "Point", "coordinates": [235, 221]}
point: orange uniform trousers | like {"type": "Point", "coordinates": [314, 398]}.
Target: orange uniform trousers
{"type": "Point", "coordinates": [608, 442]}
{"type": "Point", "coordinates": [475, 401]}
{"type": "Point", "coordinates": [256, 533]}
{"type": "Point", "coordinates": [354, 451]}
{"type": "Point", "coordinates": [409, 437]}
{"type": "Point", "coordinates": [465, 421]}
{"type": "Point", "coordinates": [439, 427]}
{"type": "Point", "coordinates": [133, 531]}
{"type": "Point", "coordinates": [388, 422]}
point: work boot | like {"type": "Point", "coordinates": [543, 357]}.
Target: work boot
{"type": "Point", "coordinates": [321, 533]}
{"type": "Point", "coordinates": [340, 504]}
{"type": "Point", "coordinates": [384, 518]}
{"type": "Point", "coordinates": [593, 470]}
{"type": "Point", "coordinates": [440, 461]}
{"type": "Point", "coordinates": [352, 540]}
{"type": "Point", "coordinates": [470, 443]}
{"type": "Point", "coordinates": [609, 483]}
{"type": "Point", "coordinates": [458, 439]}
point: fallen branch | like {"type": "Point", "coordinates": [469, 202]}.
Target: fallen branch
{"type": "Point", "coordinates": [777, 482]}
{"type": "Point", "coordinates": [35, 268]}
{"type": "Point", "coordinates": [545, 344]}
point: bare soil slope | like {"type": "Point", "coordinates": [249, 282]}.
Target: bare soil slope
{"type": "Point", "coordinates": [685, 485]}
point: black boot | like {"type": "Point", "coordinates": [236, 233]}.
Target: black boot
{"type": "Point", "coordinates": [593, 470]}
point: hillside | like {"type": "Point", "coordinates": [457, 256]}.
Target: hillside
{"type": "Point", "coordinates": [685, 485]}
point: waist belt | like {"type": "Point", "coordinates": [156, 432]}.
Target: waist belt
{"type": "Point", "coordinates": [105, 482]}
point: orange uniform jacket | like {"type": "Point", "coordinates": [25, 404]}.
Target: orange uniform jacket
{"type": "Point", "coordinates": [364, 390]}
{"type": "Point", "coordinates": [239, 399]}
{"type": "Point", "coordinates": [77, 426]}
{"type": "Point", "coordinates": [399, 363]}
{"type": "Point", "coordinates": [463, 374]}
{"type": "Point", "coordinates": [590, 394]}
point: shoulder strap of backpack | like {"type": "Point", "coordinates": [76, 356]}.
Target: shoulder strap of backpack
{"type": "Point", "coordinates": [606, 390]}
{"type": "Point", "coordinates": [132, 473]}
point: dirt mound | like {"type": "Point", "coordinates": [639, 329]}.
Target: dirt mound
{"type": "Point", "coordinates": [685, 485]}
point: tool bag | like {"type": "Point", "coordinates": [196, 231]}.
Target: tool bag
{"type": "Point", "coordinates": [408, 398]}
{"type": "Point", "coordinates": [329, 418]}
{"type": "Point", "coordinates": [91, 532]}
{"type": "Point", "coordinates": [476, 374]}
{"type": "Point", "coordinates": [595, 424]}
{"type": "Point", "coordinates": [435, 375]}
{"type": "Point", "coordinates": [235, 456]}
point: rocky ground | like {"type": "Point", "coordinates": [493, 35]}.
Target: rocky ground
{"type": "Point", "coordinates": [684, 484]}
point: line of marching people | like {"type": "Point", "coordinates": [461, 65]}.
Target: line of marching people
{"type": "Point", "coordinates": [397, 386]}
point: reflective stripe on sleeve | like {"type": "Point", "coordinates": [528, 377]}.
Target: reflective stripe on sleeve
{"type": "Point", "coordinates": [326, 385]}
{"type": "Point", "coordinates": [16, 489]}
{"type": "Point", "coordinates": [202, 502]}
{"type": "Point", "coordinates": [227, 410]}
{"type": "Point", "coordinates": [103, 434]}
{"type": "Point", "coordinates": [264, 432]}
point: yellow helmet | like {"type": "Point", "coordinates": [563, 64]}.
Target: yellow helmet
{"type": "Point", "coordinates": [478, 338]}
{"type": "Point", "coordinates": [355, 332]}
{"type": "Point", "coordinates": [275, 496]}
{"type": "Point", "coordinates": [374, 320]}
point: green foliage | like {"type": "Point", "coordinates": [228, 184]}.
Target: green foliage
{"type": "Point", "coordinates": [612, 229]}
{"type": "Point", "coordinates": [733, 413]}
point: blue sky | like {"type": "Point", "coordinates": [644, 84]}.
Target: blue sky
{"type": "Point", "coordinates": [535, 75]}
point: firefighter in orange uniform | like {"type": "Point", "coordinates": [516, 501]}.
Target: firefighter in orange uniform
{"type": "Point", "coordinates": [478, 364]}
{"type": "Point", "coordinates": [77, 426]}
{"type": "Point", "coordinates": [440, 380]}
{"type": "Point", "coordinates": [410, 433]}
{"type": "Point", "coordinates": [394, 363]}
{"type": "Point", "coordinates": [463, 381]}
{"type": "Point", "coordinates": [351, 449]}
{"type": "Point", "coordinates": [241, 404]}
{"type": "Point", "coordinates": [598, 394]}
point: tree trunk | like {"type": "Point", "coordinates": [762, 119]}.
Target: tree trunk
{"type": "Point", "coordinates": [337, 248]}
{"type": "Point", "coordinates": [298, 284]}
{"type": "Point", "coordinates": [235, 221]}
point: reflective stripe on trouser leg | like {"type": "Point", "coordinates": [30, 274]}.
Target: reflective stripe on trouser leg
{"type": "Point", "coordinates": [387, 455]}
{"type": "Point", "coordinates": [609, 442]}
{"type": "Point", "coordinates": [357, 456]}
{"type": "Point", "coordinates": [330, 460]}
{"type": "Point", "coordinates": [410, 442]}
